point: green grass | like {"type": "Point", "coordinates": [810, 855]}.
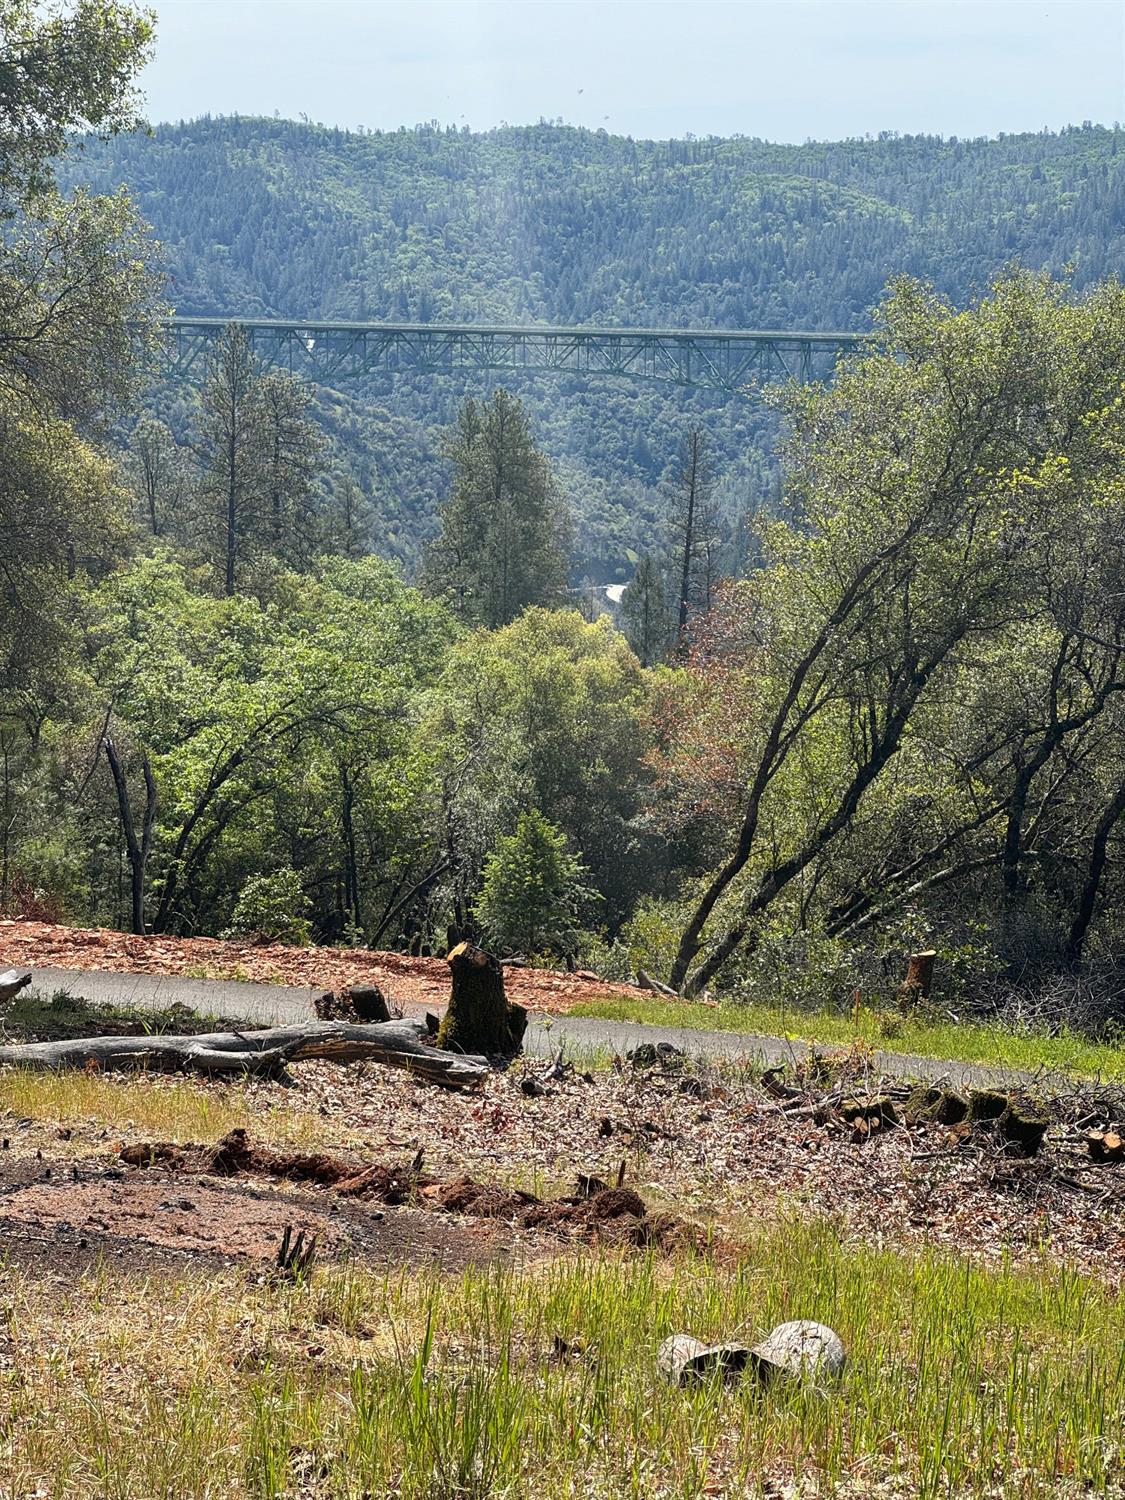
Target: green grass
{"type": "Point", "coordinates": [32, 1015]}
{"type": "Point", "coordinates": [960, 1381]}
{"type": "Point", "coordinates": [957, 1041]}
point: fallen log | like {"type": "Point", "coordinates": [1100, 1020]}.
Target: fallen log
{"type": "Point", "coordinates": [400, 1044]}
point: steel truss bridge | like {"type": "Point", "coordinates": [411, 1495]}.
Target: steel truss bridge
{"type": "Point", "coordinates": [333, 352]}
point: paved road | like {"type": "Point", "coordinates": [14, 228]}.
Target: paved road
{"type": "Point", "coordinates": [274, 1004]}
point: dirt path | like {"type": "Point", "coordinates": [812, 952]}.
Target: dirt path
{"type": "Point", "coordinates": [58, 1211]}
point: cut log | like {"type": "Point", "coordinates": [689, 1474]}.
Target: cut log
{"type": "Point", "coordinates": [480, 1018]}
{"type": "Point", "coordinates": [799, 1349]}
{"type": "Point", "coordinates": [685, 1359]}
{"type": "Point", "coordinates": [1105, 1145]}
{"type": "Point", "coordinates": [11, 982]}
{"type": "Point", "coordinates": [401, 1044]}
{"type": "Point", "coordinates": [919, 978]}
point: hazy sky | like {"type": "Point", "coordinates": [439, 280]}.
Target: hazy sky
{"type": "Point", "coordinates": [782, 69]}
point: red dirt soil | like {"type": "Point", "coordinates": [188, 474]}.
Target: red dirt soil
{"type": "Point", "coordinates": [616, 1214]}
{"type": "Point", "coordinates": [418, 981]}
{"type": "Point", "coordinates": [143, 1220]}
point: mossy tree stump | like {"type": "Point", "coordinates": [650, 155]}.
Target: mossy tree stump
{"type": "Point", "coordinates": [480, 1018]}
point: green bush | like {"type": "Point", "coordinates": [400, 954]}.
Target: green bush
{"type": "Point", "coordinates": [272, 906]}
{"type": "Point", "coordinates": [534, 891]}
{"type": "Point", "coordinates": [652, 936]}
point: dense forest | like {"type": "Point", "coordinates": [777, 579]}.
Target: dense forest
{"type": "Point", "coordinates": [319, 664]}
{"type": "Point", "coordinates": [553, 224]}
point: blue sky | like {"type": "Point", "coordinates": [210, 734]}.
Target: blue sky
{"type": "Point", "coordinates": [782, 69]}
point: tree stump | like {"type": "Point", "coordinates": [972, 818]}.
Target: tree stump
{"type": "Point", "coordinates": [919, 978]}
{"type": "Point", "coordinates": [480, 1018]}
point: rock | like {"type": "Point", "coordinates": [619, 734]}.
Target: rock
{"type": "Point", "coordinates": [684, 1359]}
{"type": "Point", "coordinates": [799, 1349]}
{"type": "Point", "coordinates": [795, 1351]}
{"type": "Point", "coordinates": [11, 982]}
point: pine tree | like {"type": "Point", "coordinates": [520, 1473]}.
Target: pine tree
{"type": "Point", "coordinates": [233, 431]}
{"type": "Point", "coordinates": [644, 612]}
{"type": "Point", "coordinates": [350, 516]}
{"type": "Point", "coordinates": [693, 521]}
{"type": "Point", "coordinates": [260, 459]}
{"type": "Point", "coordinates": [294, 448]}
{"type": "Point", "coordinates": [503, 529]}
{"type": "Point", "coordinates": [157, 470]}
{"type": "Point", "coordinates": [534, 890]}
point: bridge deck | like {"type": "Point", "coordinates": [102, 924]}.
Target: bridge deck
{"type": "Point", "coordinates": [730, 360]}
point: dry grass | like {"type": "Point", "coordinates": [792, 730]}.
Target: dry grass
{"type": "Point", "coordinates": [168, 1108]}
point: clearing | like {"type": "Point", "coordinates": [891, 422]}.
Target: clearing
{"type": "Point", "coordinates": [495, 1269]}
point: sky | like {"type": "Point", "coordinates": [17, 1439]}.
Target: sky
{"type": "Point", "coordinates": [784, 70]}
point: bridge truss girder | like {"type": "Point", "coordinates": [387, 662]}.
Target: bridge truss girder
{"type": "Point", "coordinates": [332, 352]}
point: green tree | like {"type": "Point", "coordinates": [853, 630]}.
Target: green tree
{"type": "Point", "coordinates": [534, 894]}
{"type": "Point", "coordinates": [693, 523]}
{"type": "Point", "coordinates": [76, 313]}
{"type": "Point", "coordinates": [260, 457]}
{"type": "Point", "coordinates": [502, 545]}
{"type": "Point", "coordinates": [941, 483]}
{"type": "Point", "coordinates": [63, 71]}
{"type": "Point", "coordinates": [549, 713]}
{"type": "Point", "coordinates": [294, 450]}
{"type": "Point", "coordinates": [644, 612]}
{"type": "Point", "coordinates": [235, 453]}
{"type": "Point", "coordinates": [159, 476]}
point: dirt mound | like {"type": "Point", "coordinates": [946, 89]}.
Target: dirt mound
{"type": "Point", "coordinates": [608, 1213]}
{"type": "Point", "coordinates": [236, 1156]}
{"type": "Point", "coordinates": [464, 1195]}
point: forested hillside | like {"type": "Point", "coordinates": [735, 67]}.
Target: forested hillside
{"type": "Point", "coordinates": [554, 224]}
{"type": "Point", "coordinates": [551, 223]}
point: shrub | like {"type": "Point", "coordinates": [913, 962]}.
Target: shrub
{"type": "Point", "coordinates": [274, 907]}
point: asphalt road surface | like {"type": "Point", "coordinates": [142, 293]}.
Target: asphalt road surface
{"type": "Point", "coordinates": [274, 1004]}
